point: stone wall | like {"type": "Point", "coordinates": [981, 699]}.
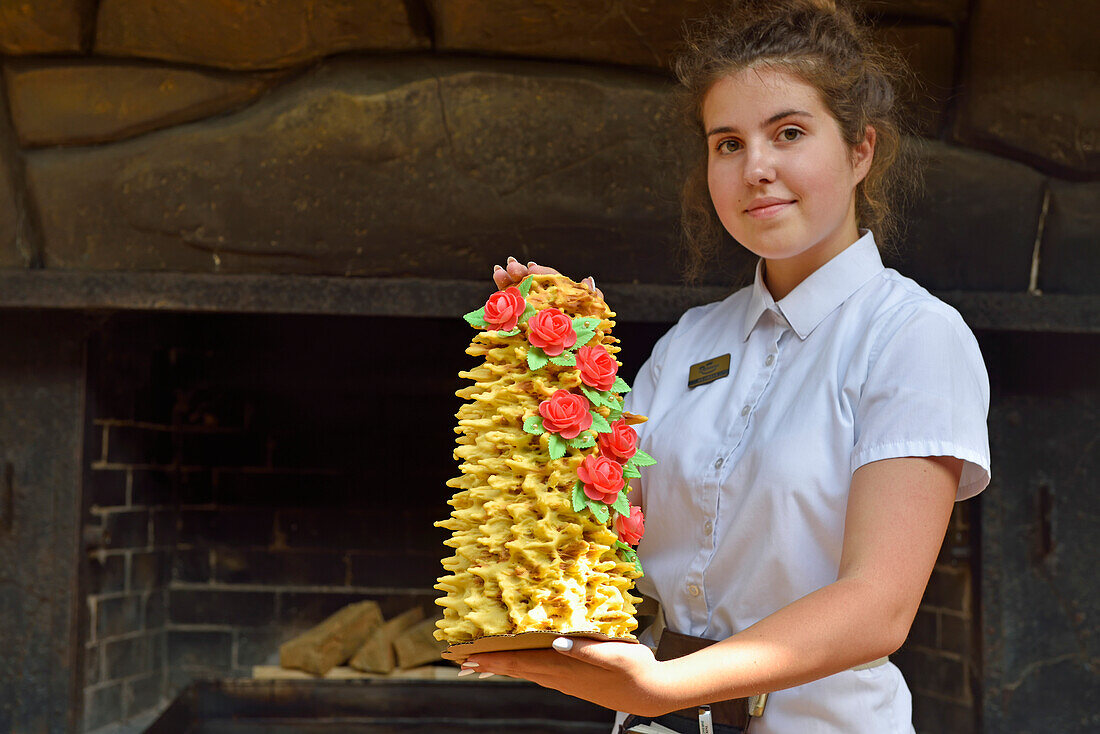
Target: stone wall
{"type": "Point", "coordinates": [430, 137]}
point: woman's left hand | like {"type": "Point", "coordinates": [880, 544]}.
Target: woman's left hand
{"type": "Point", "coordinates": [621, 676]}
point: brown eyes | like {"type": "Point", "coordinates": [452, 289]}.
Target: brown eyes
{"type": "Point", "coordinates": [786, 135]}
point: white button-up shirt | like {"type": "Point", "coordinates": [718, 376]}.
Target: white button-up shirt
{"type": "Point", "coordinates": [745, 507]}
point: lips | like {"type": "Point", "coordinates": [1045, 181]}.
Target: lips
{"type": "Point", "coordinates": [767, 207]}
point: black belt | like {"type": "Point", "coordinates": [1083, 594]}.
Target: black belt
{"type": "Point", "coordinates": [729, 717]}
{"type": "Point", "coordinates": [678, 724]}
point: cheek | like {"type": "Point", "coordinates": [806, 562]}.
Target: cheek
{"type": "Point", "coordinates": [825, 180]}
{"type": "Point", "coordinates": [725, 191]}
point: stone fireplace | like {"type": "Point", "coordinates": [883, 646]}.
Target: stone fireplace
{"type": "Point", "coordinates": [236, 242]}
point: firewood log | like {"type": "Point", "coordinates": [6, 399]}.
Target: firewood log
{"type": "Point", "coordinates": [417, 645]}
{"type": "Point", "coordinates": [376, 654]}
{"type": "Point", "coordinates": [333, 641]}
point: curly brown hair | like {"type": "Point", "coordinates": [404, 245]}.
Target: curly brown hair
{"type": "Point", "coordinates": [827, 45]}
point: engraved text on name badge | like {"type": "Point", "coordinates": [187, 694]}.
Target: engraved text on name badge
{"type": "Point", "coordinates": [713, 369]}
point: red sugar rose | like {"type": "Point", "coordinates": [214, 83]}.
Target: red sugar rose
{"type": "Point", "coordinates": [620, 444]}
{"type": "Point", "coordinates": [551, 331]}
{"type": "Point", "coordinates": [503, 309]}
{"type": "Point", "coordinates": [602, 477]}
{"type": "Point", "coordinates": [565, 414]}
{"type": "Point", "coordinates": [631, 529]}
{"type": "Point", "coordinates": [597, 367]}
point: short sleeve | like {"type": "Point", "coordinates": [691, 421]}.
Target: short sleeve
{"type": "Point", "coordinates": [926, 394]}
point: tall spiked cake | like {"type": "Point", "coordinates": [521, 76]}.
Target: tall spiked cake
{"type": "Point", "coordinates": [542, 527]}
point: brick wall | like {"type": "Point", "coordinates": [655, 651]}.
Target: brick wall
{"type": "Point", "coordinates": [250, 476]}
{"type": "Point", "coordinates": [940, 658]}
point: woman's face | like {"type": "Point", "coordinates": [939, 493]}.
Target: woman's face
{"type": "Point", "coordinates": [781, 177]}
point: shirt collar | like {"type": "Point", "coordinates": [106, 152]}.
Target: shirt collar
{"type": "Point", "coordinates": [819, 294]}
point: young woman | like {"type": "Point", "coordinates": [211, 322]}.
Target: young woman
{"type": "Point", "coordinates": [799, 503]}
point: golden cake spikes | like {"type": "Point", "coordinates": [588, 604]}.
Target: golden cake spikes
{"type": "Point", "coordinates": [529, 554]}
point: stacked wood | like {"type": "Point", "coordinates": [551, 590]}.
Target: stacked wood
{"type": "Point", "coordinates": [333, 641]}
{"type": "Point", "coordinates": [376, 654]}
{"type": "Point", "coordinates": [417, 645]}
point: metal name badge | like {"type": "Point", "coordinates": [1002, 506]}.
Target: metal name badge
{"type": "Point", "coordinates": [713, 369]}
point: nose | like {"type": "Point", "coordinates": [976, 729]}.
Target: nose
{"type": "Point", "coordinates": [759, 166]}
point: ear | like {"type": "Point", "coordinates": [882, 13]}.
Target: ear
{"type": "Point", "coordinates": [863, 153]}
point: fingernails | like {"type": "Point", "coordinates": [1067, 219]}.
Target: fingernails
{"type": "Point", "coordinates": [562, 644]}
{"type": "Point", "coordinates": [531, 264]}
{"type": "Point", "coordinates": [497, 268]}
{"type": "Point", "coordinates": [465, 672]}
{"type": "Point", "coordinates": [511, 259]}
{"type": "Point", "coordinates": [483, 675]}
{"type": "Point", "coordinates": [471, 664]}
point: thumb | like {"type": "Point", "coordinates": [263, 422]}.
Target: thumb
{"type": "Point", "coordinates": [594, 652]}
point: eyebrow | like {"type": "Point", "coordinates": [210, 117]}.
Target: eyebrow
{"type": "Point", "coordinates": [771, 120]}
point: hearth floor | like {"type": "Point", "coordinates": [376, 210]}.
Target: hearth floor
{"type": "Point", "coordinates": [400, 726]}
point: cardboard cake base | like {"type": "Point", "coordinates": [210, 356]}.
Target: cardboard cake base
{"type": "Point", "coordinates": [459, 651]}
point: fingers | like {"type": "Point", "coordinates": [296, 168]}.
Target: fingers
{"type": "Point", "coordinates": [544, 667]}
{"type": "Point", "coordinates": [536, 269]}
{"type": "Point", "coordinates": [517, 271]}
{"type": "Point", "coordinates": [590, 284]}
{"type": "Point", "coordinates": [514, 271]}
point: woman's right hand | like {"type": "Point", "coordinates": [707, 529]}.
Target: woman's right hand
{"type": "Point", "coordinates": [514, 271]}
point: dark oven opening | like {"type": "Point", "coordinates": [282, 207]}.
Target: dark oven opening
{"type": "Point", "coordinates": [248, 475]}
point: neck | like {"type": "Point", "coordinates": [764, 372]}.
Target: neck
{"type": "Point", "coordinates": [782, 276]}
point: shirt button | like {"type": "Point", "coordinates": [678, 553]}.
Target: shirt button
{"type": "Point", "coordinates": [708, 528]}
{"type": "Point", "coordinates": [718, 464]}
{"type": "Point", "coordinates": [770, 360]}
{"type": "Point", "coordinates": [693, 590]}
{"type": "Point", "coordinates": [745, 411]}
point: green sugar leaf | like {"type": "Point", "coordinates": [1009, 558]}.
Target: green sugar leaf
{"type": "Point", "coordinates": [557, 446]}
{"type": "Point", "coordinates": [583, 441]}
{"type": "Point", "coordinates": [623, 546]}
{"type": "Point", "coordinates": [525, 286]}
{"type": "Point", "coordinates": [565, 359]}
{"type": "Point", "coordinates": [600, 424]}
{"type": "Point", "coordinates": [583, 337]}
{"type": "Point", "coordinates": [614, 414]}
{"type": "Point", "coordinates": [585, 328]}
{"type": "Point", "coordinates": [534, 426]}
{"type": "Point", "coordinates": [620, 386]}
{"type": "Point", "coordinates": [630, 556]}
{"type": "Point", "coordinates": [476, 318]}
{"type": "Point", "coordinates": [599, 510]}
{"type": "Point", "coordinates": [528, 312]}
{"type": "Point", "coordinates": [641, 458]}
{"type": "Point", "coordinates": [580, 499]}
{"type": "Point", "coordinates": [621, 505]}
{"type": "Point", "coordinates": [513, 332]}
{"type": "Point", "coordinates": [630, 471]}
{"type": "Point", "coordinates": [536, 358]}
{"type": "Point", "coordinates": [592, 395]}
